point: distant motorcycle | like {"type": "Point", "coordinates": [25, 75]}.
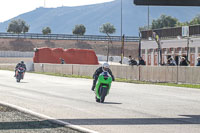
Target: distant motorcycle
{"type": "Point", "coordinates": [20, 74]}
{"type": "Point", "coordinates": [103, 86]}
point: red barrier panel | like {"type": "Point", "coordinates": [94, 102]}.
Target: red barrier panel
{"type": "Point", "coordinates": [71, 56]}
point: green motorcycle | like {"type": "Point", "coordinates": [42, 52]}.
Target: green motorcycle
{"type": "Point", "coordinates": [103, 86]}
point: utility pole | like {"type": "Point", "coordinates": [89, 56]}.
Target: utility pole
{"type": "Point", "coordinates": [121, 18]}
{"type": "Point", "coordinates": [122, 47]}
{"type": "Point", "coordinates": [148, 17]}
{"type": "Point", "coordinates": [157, 39]}
{"type": "Point", "coordinates": [44, 3]}
{"type": "Point", "coordinates": [122, 55]}
{"type": "Point", "coordinates": [62, 3]}
{"type": "Point", "coordinates": [139, 52]}
{"type": "Point", "coordinates": [188, 41]}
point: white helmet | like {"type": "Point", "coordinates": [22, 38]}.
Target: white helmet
{"type": "Point", "coordinates": [105, 66]}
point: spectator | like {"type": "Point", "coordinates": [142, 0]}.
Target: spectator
{"type": "Point", "coordinates": [141, 61]}
{"type": "Point", "coordinates": [132, 61]}
{"type": "Point", "coordinates": [198, 63]}
{"type": "Point", "coordinates": [168, 63]}
{"type": "Point", "coordinates": [183, 62]}
{"type": "Point", "coordinates": [171, 62]}
{"type": "Point", "coordinates": [62, 61]}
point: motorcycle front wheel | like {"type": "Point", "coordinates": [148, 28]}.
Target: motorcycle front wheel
{"type": "Point", "coordinates": [18, 77]}
{"type": "Point", "coordinates": [103, 94]}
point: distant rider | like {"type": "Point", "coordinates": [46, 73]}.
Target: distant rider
{"type": "Point", "coordinates": [103, 68]}
{"type": "Point", "coordinates": [21, 64]}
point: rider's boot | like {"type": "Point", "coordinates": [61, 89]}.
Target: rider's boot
{"type": "Point", "coordinates": [93, 88]}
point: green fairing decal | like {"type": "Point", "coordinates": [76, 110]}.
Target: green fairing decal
{"type": "Point", "coordinates": [100, 81]}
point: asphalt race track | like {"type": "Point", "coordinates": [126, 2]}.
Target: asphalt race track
{"type": "Point", "coordinates": [128, 108]}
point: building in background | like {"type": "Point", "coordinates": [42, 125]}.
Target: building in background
{"type": "Point", "coordinates": [175, 43]}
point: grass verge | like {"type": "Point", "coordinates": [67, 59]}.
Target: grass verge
{"type": "Point", "coordinates": [63, 75]}
{"type": "Point", "coordinates": [156, 83]}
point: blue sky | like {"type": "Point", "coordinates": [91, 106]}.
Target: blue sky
{"type": "Point", "coordinates": [12, 8]}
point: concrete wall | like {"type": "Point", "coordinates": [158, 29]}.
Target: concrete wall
{"type": "Point", "coordinates": [10, 62]}
{"type": "Point", "coordinates": [171, 74]}
{"type": "Point", "coordinates": [158, 74]}
{"type": "Point", "coordinates": [11, 66]}
{"type": "Point", "coordinates": [7, 66]}
{"type": "Point", "coordinates": [68, 69]}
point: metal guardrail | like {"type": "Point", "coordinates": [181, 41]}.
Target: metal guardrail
{"type": "Point", "coordinates": [69, 37]}
{"type": "Point", "coordinates": [16, 54]}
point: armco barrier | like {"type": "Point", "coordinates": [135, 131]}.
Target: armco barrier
{"type": "Point", "coordinates": [11, 60]}
{"type": "Point", "coordinates": [16, 54]}
{"type": "Point", "coordinates": [172, 74]}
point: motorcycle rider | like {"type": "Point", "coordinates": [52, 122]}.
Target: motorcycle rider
{"type": "Point", "coordinates": [20, 64]}
{"type": "Point", "coordinates": [103, 68]}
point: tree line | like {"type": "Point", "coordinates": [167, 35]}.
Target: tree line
{"type": "Point", "coordinates": [165, 21]}
{"type": "Point", "coordinates": [20, 26]}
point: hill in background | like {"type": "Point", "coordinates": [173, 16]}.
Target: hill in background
{"type": "Point", "coordinates": [62, 20]}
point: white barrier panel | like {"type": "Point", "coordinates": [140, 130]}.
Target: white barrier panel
{"type": "Point", "coordinates": [132, 72]}
{"type": "Point", "coordinates": [181, 74]}
{"type": "Point", "coordinates": [7, 66]}
{"type": "Point", "coordinates": [87, 70]}
{"type": "Point", "coordinates": [195, 75]}
{"type": "Point", "coordinates": [38, 67]}
{"type": "Point", "coordinates": [171, 74]}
